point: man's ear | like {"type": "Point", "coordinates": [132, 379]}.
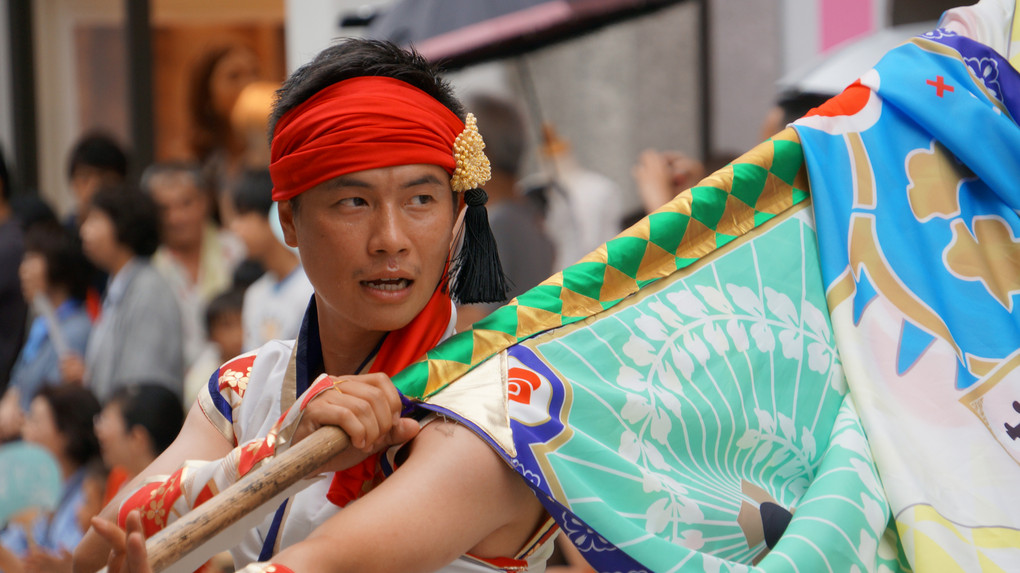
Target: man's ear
{"type": "Point", "coordinates": [286, 210]}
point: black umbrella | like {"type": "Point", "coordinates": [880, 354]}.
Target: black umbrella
{"type": "Point", "coordinates": [458, 33]}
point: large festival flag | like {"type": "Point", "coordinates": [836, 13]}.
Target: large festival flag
{"type": "Point", "coordinates": [776, 374]}
{"type": "Point", "coordinates": [917, 230]}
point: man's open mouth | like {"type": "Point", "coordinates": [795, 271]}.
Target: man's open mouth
{"type": "Point", "coordinates": [388, 284]}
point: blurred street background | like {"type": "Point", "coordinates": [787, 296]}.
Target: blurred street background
{"type": "Point", "coordinates": [697, 76]}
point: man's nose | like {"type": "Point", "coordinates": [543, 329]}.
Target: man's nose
{"type": "Point", "coordinates": [388, 233]}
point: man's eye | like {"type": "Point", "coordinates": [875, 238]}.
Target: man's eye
{"type": "Point", "coordinates": [422, 199]}
{"type": "Point", "coordinates": [352, 202]}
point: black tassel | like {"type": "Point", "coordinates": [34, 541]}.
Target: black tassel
{"type": "Point", "coordinates": [477, 273]}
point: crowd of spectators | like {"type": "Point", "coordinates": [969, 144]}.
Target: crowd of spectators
{"type": "Point", "coordinates": [117, 313]}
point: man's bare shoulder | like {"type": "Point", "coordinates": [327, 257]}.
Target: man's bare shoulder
{"type": "Point", "coordinates": [481, 478]}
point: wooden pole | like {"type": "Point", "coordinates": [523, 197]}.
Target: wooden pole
{"type": "Point", "coordinates": [251, 491]}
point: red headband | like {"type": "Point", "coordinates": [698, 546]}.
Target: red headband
{"type": "Point", "coordinates": [362, 123]}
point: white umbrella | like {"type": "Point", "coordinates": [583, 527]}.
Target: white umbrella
{"type": "Point", "coordinates": [834, 70]}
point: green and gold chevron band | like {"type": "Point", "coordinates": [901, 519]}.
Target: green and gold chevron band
{"type": "Point", "coordinates": [725, 205]}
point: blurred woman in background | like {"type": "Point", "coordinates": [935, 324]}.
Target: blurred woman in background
{"type": "Point", "coordinates": [54, 279]}
{"type": "Point", "coordinates": [59, 420]}
{"type": "Point", "coordinates": [217, 81]}
{"type": "Point", "coordinates": [138, 335]}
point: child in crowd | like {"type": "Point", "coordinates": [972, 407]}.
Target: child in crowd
{"type": "Point", "coordinates": [224, 331]}
{"type": "Point", "coordinates": [275, 303]}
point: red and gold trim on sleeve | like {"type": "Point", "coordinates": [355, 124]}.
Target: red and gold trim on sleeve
{"type": "Point", "coordinates": [222, 396]}
{"type": "Point", "coordinates": [164, 499]}
{"type": "Point", "coordinates": [154, 499]}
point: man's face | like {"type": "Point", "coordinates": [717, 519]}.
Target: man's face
{"type": "Point", "coordinates": [374, 243]}
{"type": "Point", "coordinates": [183, 209]}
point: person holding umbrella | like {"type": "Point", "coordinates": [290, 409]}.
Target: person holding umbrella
{"type": "Point", "coordinates": [372, 156]}
{"type": "Point", "coordinates": [54, 279]}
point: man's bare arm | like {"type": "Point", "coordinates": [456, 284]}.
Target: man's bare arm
{"type": "Point", "coordinates": [453, 495]}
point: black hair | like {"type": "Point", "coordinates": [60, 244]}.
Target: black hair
{"type": "Point", "coordinates": [500, 123]}
{"type": "Point", "coordinates": [98, 150]}
{"type": "Point", "coordinates": [31, 210]}
{"type": "Point", "coordinates": [247, 272]}
{"type": "Point", "coordinates": [96, 470]}
{"type": "Point", "coordinates": [134, 215]}
{"type": "Point", "coordinates": [228, 301]}
{"type": "Point", "coordinates": [153, 407]}
{"type": "Point", "coordinates": [66, 265]}
{"type": "Point", "coordinates": [74, 409]}
{"type": "Point", "coordinates": [253, 192]}
{"type": "Point", "coordinates": [357, 57]}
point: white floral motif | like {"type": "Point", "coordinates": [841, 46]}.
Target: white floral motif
{"type": "Point", "coordinates": [671, 348]}
{"type": "Point", "coordinates": [987, 70]}
{"type": "Point", "coordinates": [789, 458]}
{"type": "Point", "coordinates": [235, 380]}
{"type": "Point", "coordinates": [582, 536]}
{"type": "Point", "coordinates": [939, 33]}
{"type": "Point", "coordinates": [527, 474]}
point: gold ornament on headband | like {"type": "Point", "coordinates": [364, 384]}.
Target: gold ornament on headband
{"type": "Point", "coordinates": [472, 165]}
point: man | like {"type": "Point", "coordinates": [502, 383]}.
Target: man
{"type": "Point", "coordinates": [95, 161]}
{"type": "Point", "coordinates": [196, 258]}
{"type": "Point", "coordinates": [363, 152]}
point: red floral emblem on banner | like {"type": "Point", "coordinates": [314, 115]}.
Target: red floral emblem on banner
{"type": "Point", "coordinates": [520, 383]}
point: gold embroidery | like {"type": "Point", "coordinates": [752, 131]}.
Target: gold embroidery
{"type": "Point", "coordinates": [155, 510]}
{"type": "Point", "coordinates": [253, 447]}
{"type": "Point", "coordinates": [236, 381]}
